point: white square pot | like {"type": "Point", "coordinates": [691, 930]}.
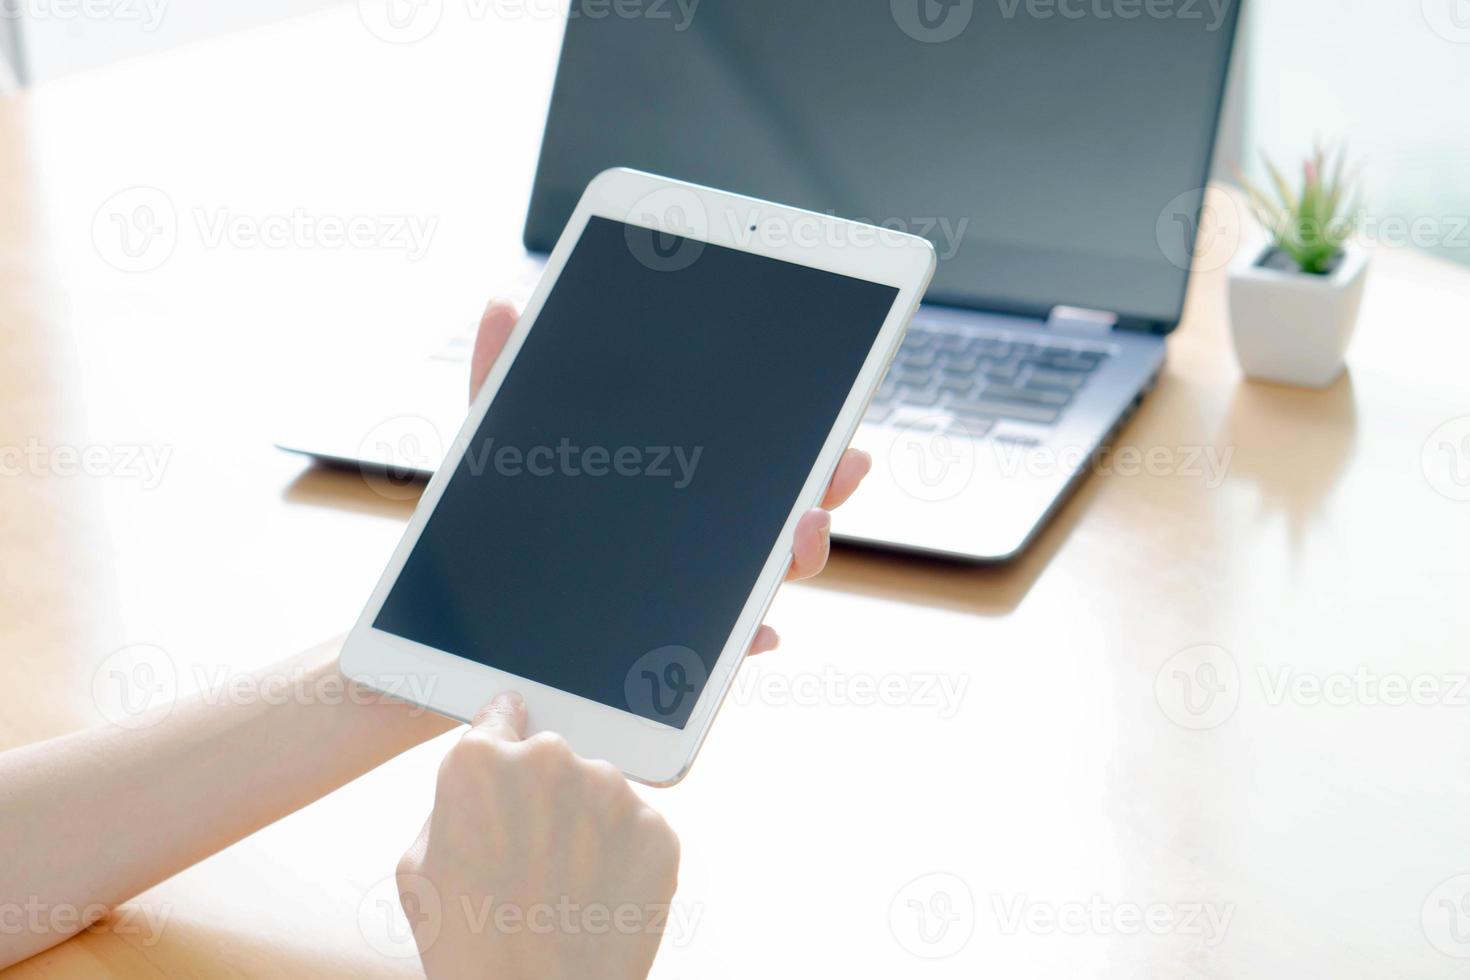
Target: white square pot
{"type": "Point", "coordinates": [1292, 327]}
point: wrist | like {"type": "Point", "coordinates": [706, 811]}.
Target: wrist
{"type": "Point", "coordinates": [368, 719]}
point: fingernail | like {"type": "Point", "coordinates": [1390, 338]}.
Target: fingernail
{"type": "Point", "coordinates": [509, 701]}
{"type": "Point", "coordinates": [824, 525]}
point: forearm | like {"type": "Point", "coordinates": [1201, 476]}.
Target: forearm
{"type": "Point", "coordinates": [93, 818]}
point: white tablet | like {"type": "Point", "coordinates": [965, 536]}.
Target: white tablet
{"type": "Point", "coordinates": [610, 525]}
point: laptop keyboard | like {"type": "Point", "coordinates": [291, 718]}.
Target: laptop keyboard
{"type": "Point", "coordinates": [980, 379]}
{"type": "Point", "coordinates": [977, 379]}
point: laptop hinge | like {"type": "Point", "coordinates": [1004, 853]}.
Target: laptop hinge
{"type": "Point", "coordinates": [1077, 318]}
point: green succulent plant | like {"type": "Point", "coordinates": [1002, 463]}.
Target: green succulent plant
{"type": "Point", "coordinates": [1313, 224]}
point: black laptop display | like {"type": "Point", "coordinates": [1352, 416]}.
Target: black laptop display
{"type": "Point", "coordinates": [1040, 180]}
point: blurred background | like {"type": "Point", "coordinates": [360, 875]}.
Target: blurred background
{"type": "Point", "coordinates": [1390, 76]}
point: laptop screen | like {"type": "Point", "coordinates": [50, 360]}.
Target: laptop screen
{"type": "Point", "coordinates": [1054, 151]}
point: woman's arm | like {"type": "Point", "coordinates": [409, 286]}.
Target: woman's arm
{"type": "Point", "coordinates": [93, 818]}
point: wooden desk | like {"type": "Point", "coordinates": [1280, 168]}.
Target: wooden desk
{"type": "Point", "coordinates": [1059, 787]}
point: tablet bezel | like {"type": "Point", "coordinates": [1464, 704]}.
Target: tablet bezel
{"type": "Point", "coordinates": [646, 750]}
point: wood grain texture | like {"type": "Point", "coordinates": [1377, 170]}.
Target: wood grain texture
{"type": "Point", "coordinates": [1049, 780]}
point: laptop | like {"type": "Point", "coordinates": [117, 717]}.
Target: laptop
{"type": "Point", "coordinates": [1056, 156]}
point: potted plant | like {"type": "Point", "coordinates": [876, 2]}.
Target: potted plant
{"type": "Point", "coordinates": [1293, 305]}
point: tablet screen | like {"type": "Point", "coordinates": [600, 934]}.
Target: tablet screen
{"type": "Point", "coordinates": [613, 510]}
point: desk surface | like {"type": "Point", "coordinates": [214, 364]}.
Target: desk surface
{"type": "Point", "coordinates": [1080, 809]}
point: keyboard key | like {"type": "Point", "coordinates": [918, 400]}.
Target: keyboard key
{"type": "Point", "coordinates": [1017, 439]}
{"type": "Point", "coordinates": [956, 383]}
{"type": "Point", "coordinates": [1046, 378]}
{"type": "Point", "coordinates": [963, 364]}
{"type": "Point", "coordinates": [923, 359]}
{"type": "Point", "coordinates": [975, 428]}
{"type": "Point", "coordinates": [1063, 361]}
{"type": "Point", "coordinates": [989, 408]}
{"type": "Point", "coordinates": [922, 398]}
{"type": "Point", "coordinates": [1030, 396]}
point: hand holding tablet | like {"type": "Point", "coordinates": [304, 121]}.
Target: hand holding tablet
{"type": "Point", "coordinates": [613, 520]}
